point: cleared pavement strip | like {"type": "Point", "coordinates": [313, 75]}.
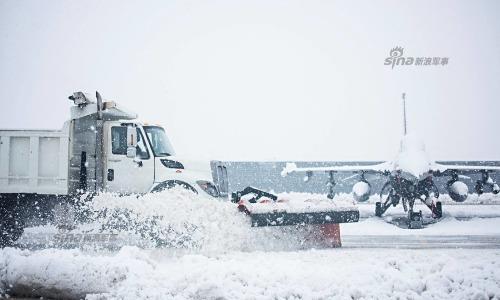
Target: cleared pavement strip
{"type": "Point", "coordinates": [422, 241]}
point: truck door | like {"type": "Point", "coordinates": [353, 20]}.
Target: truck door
{"type": "Point", "coordinates": [123, 174]}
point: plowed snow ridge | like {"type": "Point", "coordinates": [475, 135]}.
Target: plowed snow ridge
{"type": "Point", "coordinates": [194, 222]}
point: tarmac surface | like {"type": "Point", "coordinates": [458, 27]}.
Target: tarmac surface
{"type": "Point", "coordinates": [422, 242]}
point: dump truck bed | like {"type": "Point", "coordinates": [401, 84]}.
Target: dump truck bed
{"type": "Point", "coordinates": [34, 161]}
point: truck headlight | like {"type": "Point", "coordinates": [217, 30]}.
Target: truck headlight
{"type": "Point", "coordinates": [208, 187]}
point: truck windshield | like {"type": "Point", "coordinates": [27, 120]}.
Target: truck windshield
{"type": "Point", "coordinates": [159, 141]}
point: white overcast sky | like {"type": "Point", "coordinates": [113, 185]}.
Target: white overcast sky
{"type": "Point", "coordinates": [263, 80]}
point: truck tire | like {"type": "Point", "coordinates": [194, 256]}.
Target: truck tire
{"type": "Point", "coordinates": [11, 226]}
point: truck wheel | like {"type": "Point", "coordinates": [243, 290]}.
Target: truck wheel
{"type": "Point", "coordinates": [166, 185]}
{"type": "Point", "coordinates": [10, 228]}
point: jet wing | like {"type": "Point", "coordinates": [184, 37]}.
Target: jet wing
{"type": "Point", "coordinates": [448, 170]}
{"type": "Point", "coordinates": [385, 167]}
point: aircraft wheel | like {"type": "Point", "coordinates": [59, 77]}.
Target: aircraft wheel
{"type": "Point", "coordinates": [479, 188]}
{"type": "Point", "coordinates": [439, 209]}
{"type": "Point", "coordinates": [378, 209]}
{"type": "Point", "coordinates": [415, 220]}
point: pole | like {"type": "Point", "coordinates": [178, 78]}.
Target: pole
{"type": "Point", "coordinates": [404, 114]}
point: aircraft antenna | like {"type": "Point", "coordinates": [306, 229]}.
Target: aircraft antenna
{"type": "Point", "coordinates": [404, 114]}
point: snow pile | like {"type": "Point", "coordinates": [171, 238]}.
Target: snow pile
{"type": "Point", "coordinates": [65, 274]}
{"type": "Point", "coordinates": [180, 219]}
{"type": "Point", "coordinates": [354, 274]}
{"type": "Point", "coordinates": [175, 218]}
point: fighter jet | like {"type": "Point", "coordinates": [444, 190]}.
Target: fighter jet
{"type": "Point", "coordinates": [409, 178]}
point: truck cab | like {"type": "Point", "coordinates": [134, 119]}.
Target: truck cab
{"type": "Point", "coordinates": [139, 158]}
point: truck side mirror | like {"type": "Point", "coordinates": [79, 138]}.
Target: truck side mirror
{"type": "Point", "coordinates": [131, 152]}
{"type": "Point", "coordinates": [131, 142]}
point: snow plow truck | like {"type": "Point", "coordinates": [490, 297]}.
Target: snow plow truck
{"type": "Point", "coordinates": [105, 148]}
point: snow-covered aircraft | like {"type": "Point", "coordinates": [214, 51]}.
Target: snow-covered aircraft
{"type": "Point", "coordinates": [410, 178]}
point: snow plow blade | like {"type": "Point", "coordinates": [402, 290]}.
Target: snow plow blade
{"type": "Point", "coordinates": [266, 209]}
{"type": "Point", "coordinates": [287, 219]}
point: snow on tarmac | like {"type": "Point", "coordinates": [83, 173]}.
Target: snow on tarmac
{"type": "Point", "coordinates": [223, 258]}
{"type": "Point", "coordinates": [135, 273]}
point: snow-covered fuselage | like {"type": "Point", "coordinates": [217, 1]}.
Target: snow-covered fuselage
{"type": "Point", "coordinates": [411, 176]}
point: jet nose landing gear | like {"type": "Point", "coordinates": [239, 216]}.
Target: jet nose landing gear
{"type": "Point", "coordinates": [415, 220]}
